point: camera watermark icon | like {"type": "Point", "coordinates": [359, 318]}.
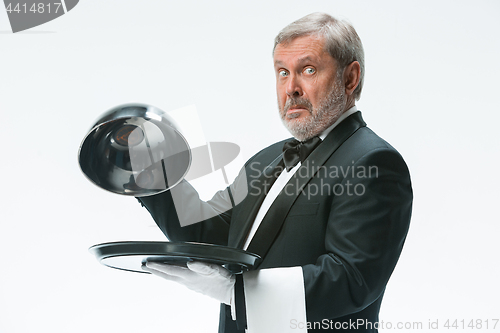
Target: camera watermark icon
{"type": "Point", "coordinates": [26, 14]}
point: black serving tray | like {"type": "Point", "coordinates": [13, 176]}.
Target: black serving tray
{"type": "Point", "coordinates": [132, 255]}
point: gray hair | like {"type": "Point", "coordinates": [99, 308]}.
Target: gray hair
{"type": "Point", "coordinates": [341, 40]}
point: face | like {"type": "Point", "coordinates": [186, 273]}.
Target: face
{"type": "Point", "coordinates": [311, 96]}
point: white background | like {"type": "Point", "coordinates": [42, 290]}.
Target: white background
{"type": "Point", "coordinates": [430, 90]}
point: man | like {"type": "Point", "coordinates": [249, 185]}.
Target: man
{"type": "Point", "coordinates": [328, 216]}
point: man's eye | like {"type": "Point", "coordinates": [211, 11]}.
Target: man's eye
{"type": "Point", "coordinates": [283, 73]}
{"type": "Point", "coordinates": [310, 70]}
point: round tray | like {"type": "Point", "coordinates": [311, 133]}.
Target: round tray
{"type": "Point", "coordinates": [132, 255]}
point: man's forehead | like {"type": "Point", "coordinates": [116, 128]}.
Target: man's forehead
{"type": "Point", "coordinates": [300, 50]}
{"type": "Point", "coordinates": [299, 60]}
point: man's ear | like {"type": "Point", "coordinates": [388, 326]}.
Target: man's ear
{"type": "Point", "coordinates": [352, 75]}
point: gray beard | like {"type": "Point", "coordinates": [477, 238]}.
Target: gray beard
{"type": "Point", "coordinates": [328, 112]}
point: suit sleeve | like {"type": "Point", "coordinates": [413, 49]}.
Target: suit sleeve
{"type": "Point", "coordinates": [183, 216]}
{"type": "Point", "coordinates": [366, 229]}
{"type": "Point", "coordinates": [164, 212]}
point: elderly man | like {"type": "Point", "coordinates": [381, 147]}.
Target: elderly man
{"type": "Point", "coordinates": [328, 211]}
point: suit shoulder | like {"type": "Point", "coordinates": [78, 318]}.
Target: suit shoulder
{"type": "Point", "coordinates": [365, 145]}
{"type": "Point", "coordinates": [365, 140]}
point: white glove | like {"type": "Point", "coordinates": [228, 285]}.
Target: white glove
{"type": "Point", "coordinates": [208, 279]}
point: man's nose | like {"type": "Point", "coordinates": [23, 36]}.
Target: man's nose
{"type": "Point", "coordinates": [293, 87]}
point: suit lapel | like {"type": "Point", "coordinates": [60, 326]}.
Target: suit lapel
{"type": "Point", "coordinates": [273, 221]}
{"type": "Point", "coordinates": [259, 185]}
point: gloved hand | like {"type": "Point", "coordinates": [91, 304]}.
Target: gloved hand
{"type": "Point", "coordinates": [208, 279]}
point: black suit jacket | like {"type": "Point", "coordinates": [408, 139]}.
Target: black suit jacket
{"type": "Point", "coordinates": [343, 217]}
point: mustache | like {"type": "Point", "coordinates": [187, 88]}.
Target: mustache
{"type": "Point", "coordinates": [294, 102]}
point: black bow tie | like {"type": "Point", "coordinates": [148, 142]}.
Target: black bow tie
{"type": "Point", "coordinates": [295, 151]}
